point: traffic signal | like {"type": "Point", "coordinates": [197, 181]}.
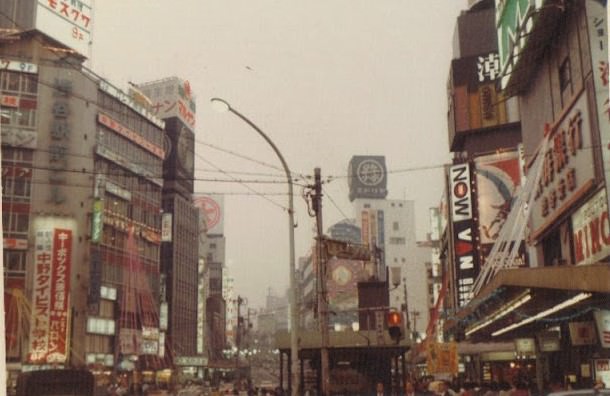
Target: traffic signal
{"type": "Point", "coordinates": [395, 325]}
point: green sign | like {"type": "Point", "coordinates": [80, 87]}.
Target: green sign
{"type": "Point", "coordinates": [514, 23]}
{"type": "Point", "coordinates": [96, 221]}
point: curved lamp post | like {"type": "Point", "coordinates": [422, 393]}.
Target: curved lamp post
{"type": "Point", "coordinates": [223, 106]}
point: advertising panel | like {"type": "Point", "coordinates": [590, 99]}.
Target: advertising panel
{"type": "Point", "coordinates": [69, 22]}
{"type": "Point", "coordinates": [497, 179]}
{"type": "Point", "coordinates": [461, 192]}
{"type": "Point", "coordinates": [212, 208]}
{"type": "Point", "coordinates": [582, 333]}
{"type": "Point", "coordinates": [166, 227]}
{"type": "Point", "coordinates": [172, 97]}
{"type": "Point", "coordinates": [513, 20]}
{"type": "Point", "coordinates": [18, 66]}
{"type": "Point", "coordinates": [49, 331]}
{"type": "Point", "coordinates": [466, 260]}
{"type": "Point", "coordinates": [477, 102]}
{"type": "Point", "coordinates": [97, 223]}
{"type": "Point", "coordinates": [567, 171]}
{"type": "Point", "coordinates": [602, 319]}
{"type": "Point", "coordinates": [598, 39]}
{"type": "Point", "coordinates": [366, 235]}
{"type": "Point", "coordinates": [442, 358]}
{"type": "Point", "coordinates": [367, 177]}
{"type": "Point", "coordinates": [591, 230]}
{"type": "Point", "coordinates": [343, 289]}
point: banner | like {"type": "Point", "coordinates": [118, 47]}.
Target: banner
{"type": "Point", "coordinates": [49, 331]}
{"type": "Point", "coordinates": [442, 358]}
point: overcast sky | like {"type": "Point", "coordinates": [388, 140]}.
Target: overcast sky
{"type": "Point", "coordinates": [325, 79]}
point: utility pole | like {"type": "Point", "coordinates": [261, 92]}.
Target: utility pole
{"type": "Point", "coordinates": [322, 297]}
{"type": "Point", "coordinates": [238, 334]}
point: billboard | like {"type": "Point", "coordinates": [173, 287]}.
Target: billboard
{"type": "Point", "coordinates": [69, 22]}
{"type": "Point", "coordinates": [568, 171]}
{"type": "Point", "coordinates": [49, 330]}
{"type": "Point", "coordinates": [367, 177]}
{"type": "Point", "coordinates": [514, 23]}
{"type": "Point", "coordinates": [212, 208]}
{"type": "Point", "coordinates": [343, 289]}
{"type": "Point", "coordinates": [172, 97]}
{"type": "Point", "coordinates": [591, 230]}
{"type": "Point", "coordinates": [497, 178]}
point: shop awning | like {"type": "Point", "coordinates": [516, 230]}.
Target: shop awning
{"type": "Point", "coordinates": [515, 295]}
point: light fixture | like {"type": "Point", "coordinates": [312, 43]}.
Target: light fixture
{"type": "Point", "coordinates": [569, 302]}
{"type": "Point", "coordinates": [503, 311]}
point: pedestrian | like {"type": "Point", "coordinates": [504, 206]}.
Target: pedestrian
{"type": "Point", "coordinates": [379, 389]}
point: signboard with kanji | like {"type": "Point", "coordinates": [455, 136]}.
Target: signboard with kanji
{"type": "Point", "coordinates": [442, 358]}
{"type": "Point", "coordinates": [49, 330]}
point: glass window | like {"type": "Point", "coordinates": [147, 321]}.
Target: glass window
{"type": "Point", "coordinates": [15, 260]}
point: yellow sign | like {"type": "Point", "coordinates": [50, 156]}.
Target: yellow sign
{"type": "Point", "coordinates": [442, 358]}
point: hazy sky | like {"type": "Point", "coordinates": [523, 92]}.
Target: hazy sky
{"type": "Point", "coordinates": [325, 79]}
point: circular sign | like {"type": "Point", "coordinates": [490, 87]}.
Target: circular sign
{"type": "Point", "coordinates": [370, 172]}
{"type": "Point", "coordinates": [211, 211]}
{"type": "Point", "coordinates": [342, 275]}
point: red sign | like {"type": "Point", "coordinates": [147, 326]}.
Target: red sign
{"type": "Point", "coordinates": [9, 101]}
{"type": "Point", "coordinates": [50, 306]}
{"type": "Point", "coordinates": [131, 135]}
{"type": "Point", "coordinates": [15, 244]}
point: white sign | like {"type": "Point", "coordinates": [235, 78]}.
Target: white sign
{"type": "Point", "coordinates": [166, 227]}
{"type": "Point", "coordinates": [172, 98]}
{"type": "Point", "coordinates": [18, 66]}
{"type": "Point", "coordinates": [567, 173]}
{"type": "Point", "coordinates": [19, 137]}
{"type": "Point", "coordinates": [461, 199]}
{"type": "Point", "coordinates": [212, 208]}
{"type": "Point", "coordinates": [591, 230]}
{"type": "Point", "coordinates": [69, 22]}
{"type": "Point", "coordinates": [602, 318]}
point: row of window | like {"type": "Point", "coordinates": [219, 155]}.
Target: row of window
{"type": "Point", "coordinates": [18, 117]}
{"type": "Point", "coordinates": [129, 118]}
{"type": "Point", "coordinates": [140, 187]}
{"type": "Point", "coordinates": [16, 82]}
{"type": "Point", "coordinates": [126, 149]}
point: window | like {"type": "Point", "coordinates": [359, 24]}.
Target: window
{"type": "Point", "coordinates": [398, 241]}
{"type": "Point", "coordinates": [565, 80]}
{"type": "Point", "coordinates": [395, 226]}
{"type": "Point", "coordinates": [14, 260]}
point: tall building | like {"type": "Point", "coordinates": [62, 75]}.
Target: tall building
{"type": "Point", "coordinates": [82, 182]}
{"type": "Point", "coordinates": [173, 101]}
{"type": "Point", "coordinates": [388, 227]}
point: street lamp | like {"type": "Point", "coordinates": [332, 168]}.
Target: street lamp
{"type": "Point", "coordinates": [223, 106]}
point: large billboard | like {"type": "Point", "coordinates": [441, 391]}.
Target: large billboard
{"type": "Point", "coordinates": [342, 285]}
{"type": "Point", "coordinates": [172, 97]}
{"type": "Point", "coordinates": [69, 22]}
{"type": "Point", "coordinates": [466, 260]}
{"type": "Point", "coordinates": [497, 179]}
{"type": "Point", "coordinates": [50, 324]}
{"type": "Point", "coordinates": [211, 206]}
{"type": "Point", "coordinates": [569, 169]}
{"type": "Point", "coordinates": [367, 177]}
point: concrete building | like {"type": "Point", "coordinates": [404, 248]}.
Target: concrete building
{"type": "Point", "coordinates": [174, 102]}
{"type": "Point", "coordinates": [78, 202]}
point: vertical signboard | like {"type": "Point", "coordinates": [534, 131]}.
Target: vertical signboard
{"type": "Point", "coordinates": [49, 331]}
{"type": "Point", "coordinates": [69, 22]}
{"type": "Point", "coordinates": [497, 179]}
{"type": "Point", "coordinates": [597, 24]}
{"type": "Point", "coordinates": [343, 289]}
{"type": "Point", "coordinates": [97, 224]}
{"type": "Point", "coordinates": [466, 266]}
{"type": "Point", "coordinates": [513, 21]}
{"type": "Point", "coordinates": [366, 236]}
{"type": "Point", "coordinates": [381, 236]}
{"type": "Point", "coordinates": [166, 227]}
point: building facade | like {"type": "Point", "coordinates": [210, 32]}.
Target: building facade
{"type": "Point", "coordinates": [81, 212]}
